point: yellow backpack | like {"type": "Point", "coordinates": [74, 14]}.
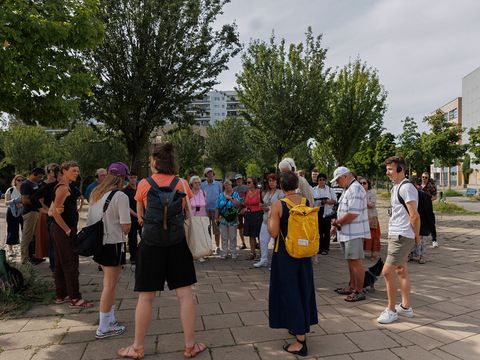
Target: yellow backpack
{"type": "Point", "coordinates": [303, 239]}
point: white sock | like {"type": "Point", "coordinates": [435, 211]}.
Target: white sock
{"type": "Point", "coordinates": [113, 319]}
{"type": "Point", "coordinates": [104, 324]}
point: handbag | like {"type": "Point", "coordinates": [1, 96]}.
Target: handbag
{"type": "Point", "coordinates": [89, 240]}
{"type": "Point", "coordinates": [197, 232]}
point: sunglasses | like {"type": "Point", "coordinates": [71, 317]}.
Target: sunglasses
{"type": "Point", "coordinates": [322, 179]}
{"type": "Point", "coordinates": [249, 182]}
{"type": "Point", "coordinates": [424, 177]}
{"type": "Point", "coordinates": [20, 180]}
{"type": "Point", "coordinates": [364, 183]}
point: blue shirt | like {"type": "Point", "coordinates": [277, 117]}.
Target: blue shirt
{"type": "Point", "coordinates": [212, 191]}
{"type": "Point", "coordinates": [223, 204]}
{"type": "Point", "coordinates": [89, 189]}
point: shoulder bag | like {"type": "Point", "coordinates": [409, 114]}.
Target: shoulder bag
{"type": "Point", "coordinates": [196, 232]}
{"type": "Point", "coordinates": [90, 239]}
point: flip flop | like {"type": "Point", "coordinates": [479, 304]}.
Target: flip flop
{"type": "Point", "coordinates": [192, 351]}
{"type": "Point", "coordinates": [131, 353]}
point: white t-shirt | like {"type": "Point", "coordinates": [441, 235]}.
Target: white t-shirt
{"type": "Point", "coordinates": [326, 192]}
{"type": "Point", "coordinates": [399, 223]}
{"type": "Point", "coordinates": [117, 214]}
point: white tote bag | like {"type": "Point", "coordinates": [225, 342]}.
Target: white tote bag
{"type": "Point", "coordinates": [196, 230]}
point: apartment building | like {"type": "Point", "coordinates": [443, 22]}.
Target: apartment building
{"type": "Point", "coordinates": [214, 106]}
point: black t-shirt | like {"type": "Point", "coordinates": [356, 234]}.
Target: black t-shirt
{"type": "Point", "coordinates": [29, 188]}
{"type": "Point", "coordinates": [131, 197]}
{"type": "Point", "coordinates": [47, 192]}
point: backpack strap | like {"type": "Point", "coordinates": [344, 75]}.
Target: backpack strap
{"type": "Point", "coordinates": [107, 201]}
{"type": "Point", "coordinates": [153, 184]}
{"type": "Point", "coordinates": [303, 202]}
{"type": "Point", "coordinates": [400, 199]}
{"type": "Point", "coordinates": [174, 183]}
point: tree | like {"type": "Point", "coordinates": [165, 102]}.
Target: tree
{"type": "Point", "coordinates": [363, 161]}
{"type": "Point", "coordinates": [189, 149]}
{"type": "Point", "coordinates": [284, 91]}
{"type": "Point", "coordinates": [226, 145]}
{"type": "Point", "coordinates": [91, 148]}
{"type": "Point", "coordinates": [474, 144]}
{"type": "Point", "coordinates": [356, 104]}
{"type": "Point", "coordinates": [157, 57]}
{"type": "Point", "coordinates": [443, 141]}
{"type": "Point", "coordinates": [42, 76]}
{"type": "Point", "coordinates": [323, 159]}
{"type": "Point", "coordinates": [26, 147]}
{"type": "Point", "coordinates": [413, 147]}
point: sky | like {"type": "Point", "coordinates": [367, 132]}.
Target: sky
{"type": "Point", "coordinates": [421, 48]}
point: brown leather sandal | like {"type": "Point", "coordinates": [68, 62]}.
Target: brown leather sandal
{"type": "Point", "coordinates": [131, 353]}
{"type": "Point", "coordinates": [192, 351]}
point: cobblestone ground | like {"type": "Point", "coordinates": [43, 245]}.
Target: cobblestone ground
{"type": "Point", "coordinates": [232, 311]}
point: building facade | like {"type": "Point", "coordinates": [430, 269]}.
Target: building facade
{"type": "Point", "coordinates": [471, 115]}
{"type": "Point", "coordinates": [215, 106]}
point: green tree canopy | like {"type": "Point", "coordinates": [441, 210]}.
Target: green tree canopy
{"type": "Point", "coordinates": [284, 90]}
{"type": "Point", "coordinates": [189, 149]}
{"type": "Point", "coordinates": [157, 57]}
{"type": "Point", "coordinates": [384, 148]}
{"type": "Point", "coordinates": [356, 105]}
{"type": "Point", "coordinates": [414, 148]}
{"type": "Point", "coordinates": [226, 145]}
{"type": "Point", "coordinates": [42, 76]}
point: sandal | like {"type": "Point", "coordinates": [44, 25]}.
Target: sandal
{"type": "Point", "coordinates": [61, 300]}
{"type": "Point", "coordinates": [192, 351]}
{"type": "Point", "coordinates": [252, 257]}
{"type": "Point", "coordinates": [344, 291]}
{"type": "Point", "coordinates": [131, 353]}
{"type": "Point", "coordinates": [80, 304]}
{"type": "Point", "coordinates": [355, 296]}
{"type": "Point", "coordinates": [303, 350]}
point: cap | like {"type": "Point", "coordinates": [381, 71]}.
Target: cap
{"type": "Point", "coordinates": [238, 176]}
{"type": "Point", "coordinates": [208, 169]}
{"type": "Point", "coordinates": [341, 170]}
{"type": "Point", "coordinates": [118, 169]}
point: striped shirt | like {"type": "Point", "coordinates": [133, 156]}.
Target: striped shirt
{"type": "Point", "coordinates": [354, 201]}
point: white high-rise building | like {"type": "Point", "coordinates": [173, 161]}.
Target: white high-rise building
{"type": "Point", "coordinates": [214, 106]}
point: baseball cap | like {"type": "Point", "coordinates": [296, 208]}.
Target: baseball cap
{"type": "Point", "coordinates": [341, 170]}
{"type": "Point", "coordinates": [118, 169]}
{"type": "Point", "coordinates": [207, 169]}
{"type": "Point", "coordinates": [238, 176]}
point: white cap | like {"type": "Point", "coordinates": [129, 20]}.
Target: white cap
{"type": "Point", "coordinates": [341, 170]}
{"type": "Point", "coordinates": [207, 170]}
{"type": "Point", "coordinates": [287, 163]}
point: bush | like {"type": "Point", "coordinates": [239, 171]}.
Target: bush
{"type": "Point", "coordinates": [451, 192]}
{"type": "Point", "coordinates": [36, 290]}
{"type": "Point", "coordinates": [443, 207]}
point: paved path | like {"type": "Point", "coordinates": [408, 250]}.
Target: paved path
{"type": "Point", "coordinates": [232, 313]}
{"type": "Point", "coordinates": [465, 202]}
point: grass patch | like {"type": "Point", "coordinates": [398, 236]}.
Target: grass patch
{"type": "Point", "coordinates": [36, 290]}
{"type": "Point", "coordinates": [449, 208]}
{"type": "Point", "coordinates": [451, 192]}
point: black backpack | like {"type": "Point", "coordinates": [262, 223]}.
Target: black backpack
{"type": "Point", "coordinates": [163, 221]}
{"type": "Point", "coordinates": [424, 208]}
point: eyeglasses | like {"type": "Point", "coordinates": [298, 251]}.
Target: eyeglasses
{"type": "Point", "coordinates": [20, 180]}
{"type": "Point", "coordinates": [424, 177]}
{"type": "Point", "coordinates": [363, 183]}
{"type": "Point", "coordinates": [322, 179]}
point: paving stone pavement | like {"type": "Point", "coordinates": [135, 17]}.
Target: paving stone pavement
{"type": "Point", "coordinates": [232, 311]}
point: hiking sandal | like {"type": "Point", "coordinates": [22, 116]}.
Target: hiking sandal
{"type": "Point", "coordinates": [355, 296]}
{"type": "Point", "coordinates": [344, 291]}
{"type": "Point", "coordinates": [192, 351]}
{"type": "Point", "coordinates": [80, 304]}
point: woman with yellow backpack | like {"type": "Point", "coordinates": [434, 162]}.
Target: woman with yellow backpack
{"type": "Point", "coordinates": [292, 302]}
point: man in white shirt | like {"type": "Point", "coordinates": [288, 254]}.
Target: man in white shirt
{"type": "Point", "coordinates": [352, 227]}
{"type": "Point", "coordinates": [403, 233]}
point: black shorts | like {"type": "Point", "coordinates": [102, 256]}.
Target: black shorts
{"type": "Point", "coordinates": [111, 255]}
{"type": "Point", "coordinates": [156, 264]}
{"type": "Point", "coordinates": [253, 223]}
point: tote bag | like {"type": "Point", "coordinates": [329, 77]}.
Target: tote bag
{"type": "Point", "coordinates": [196, 232]}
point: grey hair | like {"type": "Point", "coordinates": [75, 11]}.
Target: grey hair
{"type": "Point", "coordinates": [193, 178]}
{"type": "Point", "coordinates": [287, 164]}
{"type": "Point", "coordinates": [227, 182]}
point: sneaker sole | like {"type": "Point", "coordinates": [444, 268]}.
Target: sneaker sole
{"type": "Point", "coordinates": [387, 322]}
{"type": "Point", "coordinates": [110, 334]}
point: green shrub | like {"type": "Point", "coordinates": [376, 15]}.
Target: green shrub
{"type": "Point", "coordinates": [444, 207]}
{"type": "Point", "coordinates": [36, 290]}
{"type": "Point", "coordinates": [451, 192]}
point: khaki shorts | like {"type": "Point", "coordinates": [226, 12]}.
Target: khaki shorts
{"type": "Point", "coordinates": [398, 249]}
{"type": "Point", "coordinates": [353, 249]}
{"type": "Point", "coordinates": [213, 222]}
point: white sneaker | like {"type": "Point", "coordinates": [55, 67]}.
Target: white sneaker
{"type": "Point", "coordinates": [435, 244]}
{"type": "Point", "coordinates": [403, 312]}
{"type": "Point", "coordinates": [260, 264]}
{"type": "Point", "coordinates": [387, 316]}
{"type": "Point", "coordinates": [201, 260]}
{"type": "Point", "coordinates": [112, 331]}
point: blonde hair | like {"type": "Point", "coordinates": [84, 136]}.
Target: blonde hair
{"type": "Point", "coordinates": [15, 178]}
{"type": "Point", "coordinates": [110, 183]}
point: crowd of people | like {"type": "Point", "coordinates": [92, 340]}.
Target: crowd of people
{"type": "Point", "coordinates": [132, 210]}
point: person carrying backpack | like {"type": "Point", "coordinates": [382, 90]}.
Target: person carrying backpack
{"type": "Point", "coordinates": [292, 303]}
{"type": "Point", "coordinates": [163, 253]}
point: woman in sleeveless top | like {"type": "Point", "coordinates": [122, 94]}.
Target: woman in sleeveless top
{"type": "Point", "coordinates": [253, 214]}
{"type": "Point", "coordinates": [292, 302]}
{"type": "Point", "coordinates": [198, 201]}
{"type": "Point", "coordinates": [65, 213]}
